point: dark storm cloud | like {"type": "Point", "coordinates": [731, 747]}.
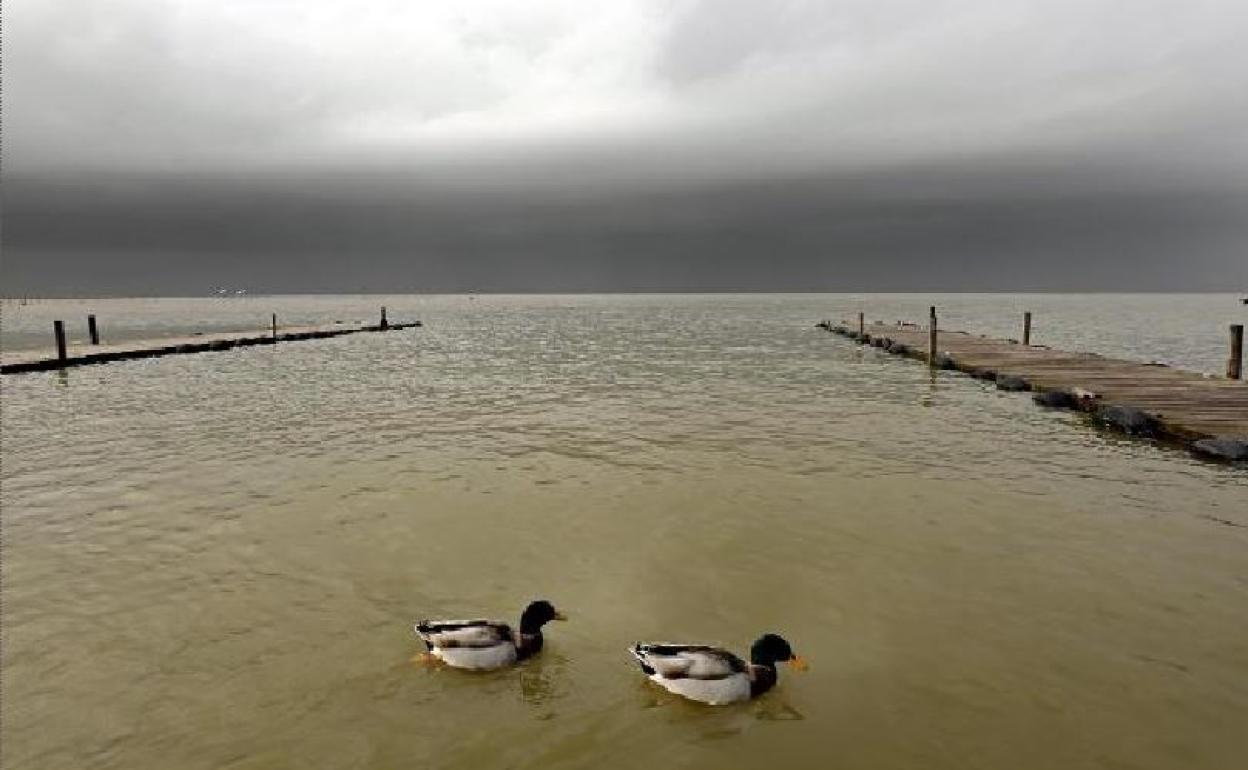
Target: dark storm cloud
{"type": "Point", "coordinates": [175, 146]}
{"type": "Point", "coordinates": [792, 234]}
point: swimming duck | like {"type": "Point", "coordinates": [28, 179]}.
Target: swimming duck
{"type": "Point", "coordinates": [486, 644]}
{"type": "Point", "coordinates": [714, 675]}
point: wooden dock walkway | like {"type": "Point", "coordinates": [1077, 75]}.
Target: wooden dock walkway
{"type": "Point", "coordinates": [85, 354]}
{"type": "Point", "coordinates": [1206, 414]}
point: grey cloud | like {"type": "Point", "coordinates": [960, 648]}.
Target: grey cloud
{"type": "Point", "coordinates": [715, 145]}
{"type": "Point", "coordinates": [741, 86]}
{"type": "Point", "coordinates": [156, 236]}
{"type": "Point", "coordinates": [842, 84]}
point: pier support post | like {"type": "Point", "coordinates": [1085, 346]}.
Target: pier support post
{"type": "Point", "coordinates": [862, 324]}
{"type": "Point", "coordinates": [1027, 328]}
{"type": "Point", "coordinates": [1235, 364]}
{"type": "Point", "coordinates": [384, 324]}
{"type": "Point", "coordinates": [275, 327]}
{"type": "Point", "coordinates": [931, 336]}
{"type": "Point", "coordinates": [58, 328]}
{"type": "Point", "coordinates": [92, 330]}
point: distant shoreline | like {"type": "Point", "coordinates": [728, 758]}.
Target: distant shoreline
{"type": "Point", "coordinates": [657, 292]}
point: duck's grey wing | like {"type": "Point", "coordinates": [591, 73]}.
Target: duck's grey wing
{"type": "Point", "coordinates": [463, 633]}
{"type": "Point", "coordinates": [688, 661]}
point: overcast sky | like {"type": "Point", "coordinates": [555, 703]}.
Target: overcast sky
{"type": "Point", "coordinates": [168, 146]}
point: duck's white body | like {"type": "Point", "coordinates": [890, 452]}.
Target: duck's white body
{"type": "Point", "coordinates": [483, 659]}
{"type": "Point", "coordinates": [714, 692]}
{"type": "Point", "coordinates": [471, 644]}
{"type": "Point", "coordinates": [705, 674]}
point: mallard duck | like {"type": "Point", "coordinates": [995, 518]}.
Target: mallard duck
{"type": "Point", "coordinates": [486, 644]}
{"type": "Point", "coordinates": [714, 675]}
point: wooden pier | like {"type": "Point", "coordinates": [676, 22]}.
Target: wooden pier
{"type": "Point", "coordinates": [1209, 415]}
{"type": "Point", "coordinates": [85, 354]}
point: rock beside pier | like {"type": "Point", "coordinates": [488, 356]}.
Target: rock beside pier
{"type": "Point", "coordinates": [1056, 399]}
{"type": "Point", "coordinates": [1222, 448]}
{"type": "Point", "coordinates": [1129, 420]}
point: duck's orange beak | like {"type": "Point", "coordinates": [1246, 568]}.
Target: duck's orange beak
{"type": "Point", "coordinates": [560, 616]}
{"type": "Point", "coordinates": [798, 663]}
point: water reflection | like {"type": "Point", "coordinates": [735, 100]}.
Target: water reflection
{"type": "Point", "coordinates": [773, 710]}
{"type": "Point", "coordinates": [539, 679]}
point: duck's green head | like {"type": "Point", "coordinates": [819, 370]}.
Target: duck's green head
{"type": "Point", "coordinates": [538, 614]}
{"type": "Point", "coordinates": [771, 649]}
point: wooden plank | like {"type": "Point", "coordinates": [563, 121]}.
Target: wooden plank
{"type": "Point", "coordinates": [79, 355]}
{"type": "Point", "coordinates": [1188, 405]}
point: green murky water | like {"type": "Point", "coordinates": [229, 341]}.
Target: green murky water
{"type": "Point", "coordinates": [213, 561]}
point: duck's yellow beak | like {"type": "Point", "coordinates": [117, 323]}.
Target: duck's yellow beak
{"type": "Point", "coordinates": [560, 616]}
{"type": "Point", "coordinates": [798, 663]}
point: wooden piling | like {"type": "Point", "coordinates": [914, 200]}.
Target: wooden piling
{"type": "Point", "coordinates": [1235, 363]}
{"type": "Point", "coordinates": [275, 327]}
{"type": "Point", "coordinates": [931, 336]}
{"type": "Point", "coordinates": [58, 328]}
{"type": "Point", "coordinates": [92, 330]}
{"type": "Point", "coordinates": [1027, 328]}
{"type": "Point", "coordinates": [384, 324]}
{"type": "Point", "coordinates": [862, 324]}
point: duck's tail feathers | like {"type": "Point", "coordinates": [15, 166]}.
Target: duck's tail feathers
{"type": "Point", "coordinates": [423, 629]}
{"type": "Point", "coordinates": [638, 651]}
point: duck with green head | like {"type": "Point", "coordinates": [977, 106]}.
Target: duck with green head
{"type": "Point", "coordinates": [486, 644]}
{"type": "Point", "coordinates": [714, 675]}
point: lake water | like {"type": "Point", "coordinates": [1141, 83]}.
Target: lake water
{"type": "Point", "coordinates": [214, 561]}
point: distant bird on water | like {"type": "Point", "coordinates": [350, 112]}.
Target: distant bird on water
{"type": "Point", "coordinates": [714, 675]}
{"type": "Point", "coordinates": [486, 644]}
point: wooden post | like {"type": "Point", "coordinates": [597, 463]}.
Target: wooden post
{"type": "Point", "coordinates": [1027, 328]}
{"type": "Point", "coordinates": [384, 323]}
{"type": "Point", "coordinates": [862, 323]}
{"type": "Point", "coordinates": [1235, 364]}
{"type": "Point", "coordinates": [95, 334]}
{"type": "Point", "coordinates": [58, 328]}
{"type": "Point", "coordinates": [275, 327]}
{"type": "Point", "coordinates": [931, 336]}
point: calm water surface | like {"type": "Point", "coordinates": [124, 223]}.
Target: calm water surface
{"type": "Point", "coordinates": [213, 561]}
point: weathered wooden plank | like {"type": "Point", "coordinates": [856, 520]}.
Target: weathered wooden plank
{"type": "Point", "coordinates": [80, 355]}
{"type": "Point", "coordinates": [1186, 406]}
